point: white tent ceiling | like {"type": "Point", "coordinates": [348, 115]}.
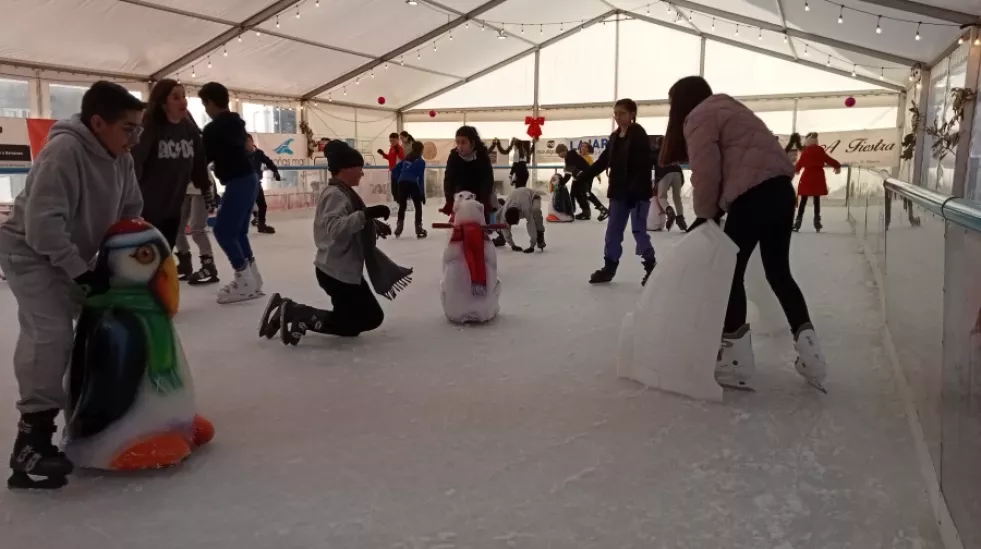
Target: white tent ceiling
{"type": "Point", "coordinates": [405, 52]}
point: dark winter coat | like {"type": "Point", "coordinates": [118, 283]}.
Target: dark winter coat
{"type": "Point", "coordinates": [224, 141]}
{"type": "Point", "coordinates": [476, 176]}
{"type": "Point", "coordinates": [630, 161]}
{"type": "Point", "coordinates": [259, 160]}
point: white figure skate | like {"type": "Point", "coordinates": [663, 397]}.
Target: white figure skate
{"type": "Point", "coordinates": [736, 365]}
{"type": "Point", "coordinates": [810, 363]}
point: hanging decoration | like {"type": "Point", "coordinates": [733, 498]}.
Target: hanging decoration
{"type": "Point", "coordinates": [311, 142]}
{"type": "Point", "coordinates": [432, 114]}
{"type": "Point", "coordinates": [534, 126]}
{"type": "Point", "coordinates": [849, 102]}
{"type": "Point", "coordinates": [381, 100]}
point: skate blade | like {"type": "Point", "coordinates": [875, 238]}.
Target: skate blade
{"type": "Point", "coordinates": [275, 301]}
{"type": "Point", "coordinates": [23, 481]}
{"type": "Point", "coordinates": [743, 388]}
{"type": "Point", "coordinates": [817, 386]}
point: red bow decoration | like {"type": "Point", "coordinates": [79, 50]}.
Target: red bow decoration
{"type": "Point", "coordinates": [534, 126]}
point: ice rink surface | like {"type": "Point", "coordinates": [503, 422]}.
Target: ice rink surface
{"type": "Point", "coordinates": [426, 435]}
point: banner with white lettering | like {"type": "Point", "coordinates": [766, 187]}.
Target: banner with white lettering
{"type": "Point", "coordinates": [870, 148]}
{"type": "Point", "coordinates": [15, 143]}
{"type": "Point", "coordinates": [284, 149]}
{"type": "Point", "coordinates": [545, 148]}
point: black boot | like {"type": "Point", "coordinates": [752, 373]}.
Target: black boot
{"type": "Point", "coordinates": [184, 266]}
{"type": "Point", "coordinates": [35, 456]}
{"type": "Point", "coordinates": [583, 216]}
{"type": "Point", "coordinates": [649, 265]}
{"type": "Point", "coordinates": [420, 232]}
{"type": "Point", "coordinates": [798, 223]}
{"type": "Point", "coordinates": [207, 274]}
{"type": "Point", "coordinates": [269, 323]}
{"type": "Point", "coordinates": [541, 240]}
{"type": "Point", "coordinates": [605, 274]}
{"type": "Point", "coordinates": [266, 229]}
{"type": "Point", "coordinates": [291, 328]}
{"type": "Point", "coordinates": [399, 227]}
{"type": "Point", "coordinates": [682, 224]}
{"type": "Point", "coordinates": [499, 241]}
{"type": "Point", "coordinates": [604, 213]}
{"type": "Point", "coordinates": [817, 223]}
{"type": "Point", "coordinates": [669, 211]}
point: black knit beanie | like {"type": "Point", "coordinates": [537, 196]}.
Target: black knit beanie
{"type": "Point", "coordinates": [340, 155]}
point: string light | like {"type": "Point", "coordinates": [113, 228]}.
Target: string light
{"type": "Point", "coordinates": [829, 61]}
{"type": "Point", "coordinates": [357, 81]}
{"type": "Point", "coordinates": [918, 30]}
{"type": "Point", "coordinates": [648, 10]}
{"type": "Point", "coordinates": [193, 72]}
{"type": "Point", "coordinates": [316, 4]}
{"type": "Point", "coordinates": [713, 23]}
{"type": "Point", "coordinates": [760, 37]}
{"type": "Point", "coordinates": [541, 29]}
{"type": "Point", "coordinates": [451, 36]}
{"type": "Point", "coordinates": [297, 11]}
{"type": "Point", "coordinates": [807, 6]}
{"type": "Point", "coordinates": [878, 25]}
{"type": "Point", "coordinates": [482, 27]}
{"type": "Point", "coordinates": [467, 24]}
{"type": "Point", "coordinates": [737, 30]}
{"type": "Point", "coordinates": [224, 51]}
{"type": "Point", "coordinates": [345, 91]}
{"type": "Point", "coordinates": [209, 61]}
{"type": "Point", "coordinates": [854, 70]}
{"type": "Point", "coordinates": [882, 73]}
{"type": "Point", "coordinates": [277, 21]}
{"type": "Point", "coordinates": [330, 98]}
{"type": "Point", "coordinates": [386, 66]}
{"type": "Point", "coordinates": [258, 32]}
{"type": "Point", "coordinates": [434, 45]}
{"type": "Point", "coordinates": [522, 30]}
{"type": "Point", "coordinates": [841, 14]}
{"type": "Point", "coordinates": [785, 38]}
{"type": "Point", "coordinates": [240, 38]}
{"type": "Point", "coordinates": [402, 61]}
{"type": "Point", "coordinates": [805, 50]}
{"type": "Point", "coordinates": [372, 75]}
{"type": "Point", "coordinates": [418, 55]}
{"type": "Point", "coordinates": [501, 35]}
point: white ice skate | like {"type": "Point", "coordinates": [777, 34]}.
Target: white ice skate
{"type": "Point", "coordinates": [242, 288]}
{"type": "Point", "coordinates": [736, 365]}
{"type": "Point", "coordinates": [810, 363]}
{"type": "Point", "coordinates": [257, 276]}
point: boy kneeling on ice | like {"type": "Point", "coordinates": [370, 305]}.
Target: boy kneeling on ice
{"type": "Point", "coordinates": [525, 203]}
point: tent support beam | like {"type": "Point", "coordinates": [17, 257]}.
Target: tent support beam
{"type": "Point", "coordinates": [485, 23]}
{"type": "Point", "coordinates": [207, 47]}
{"type": "Point", "coordinates": [793, 49]}
{"type": "Point", "coordinates": [508, 61]}
{"type": "Point", "coordinates": [408, 46]}
{"type": "Point", "coordinates": [782, 29]}
{"type": "Point", "coordinates": [927, 10]}
{"type": "Point", "coordinates": [761, 51]}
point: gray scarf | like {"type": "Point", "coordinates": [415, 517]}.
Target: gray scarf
{"type": "Point", "coordinates": [387, 278]}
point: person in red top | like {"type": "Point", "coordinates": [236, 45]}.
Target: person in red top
{"type": "Point", "coordinates": [813, 159]}
{"type": "Point", "coordinates": [395, 155]}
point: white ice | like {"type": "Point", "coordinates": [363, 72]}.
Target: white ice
{"type": "Point", "coordinates": [518, 433]}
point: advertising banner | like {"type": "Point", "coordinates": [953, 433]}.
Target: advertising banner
{"type": "Point", "coordinates": [870, 148]}
{"type": "Point", "coordinates": [283, 149]}
{"type": "Point", "coordinates": [38, 129]}
{"type": "Point", "coordinates": [15, 145]}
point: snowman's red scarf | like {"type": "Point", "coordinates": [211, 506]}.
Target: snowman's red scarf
{"type": "Point", "coordinates": [473, 237]}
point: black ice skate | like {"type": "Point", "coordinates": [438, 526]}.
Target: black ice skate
{"type": "Point", "coordinates": [583, 216]}
{"type": "Point", "coordinates": [797, 224]}
{"type": "Point", "coordinates": [817, 224]}
{"type": "Point", "coordinates": [269, 323]}
{"type": "Point", "coordinates": [604, 213]}
{"type": "Point", "coordinates": [669, 211]}
{"type": "Point", "coordinates": [36, 463]}
{"type": "Point", "coordinates": [499, 241]}
{"type": "Point", "coordinates": [291, 329]}
{"type": "Point", "coordinates": [541, 240]}
{"type": "Point", "coordinates": [420, 232]}
{"type": "Point", "coordinates": [207, 274]}
{"type": "Point", "coordinates": [184, 266]}
{"type": "Point", "coordinates": [649, 265]}
{"type": "Point", "coordinates": [682, 224]}
{"type": "Point", "coordinates": [606, 274]}
{"type": "Point", "coordinates": [266, 229]}
{"type": "Point", "coordinates": [399, 227]}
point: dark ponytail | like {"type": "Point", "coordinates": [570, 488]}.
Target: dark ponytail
{"type": "Point", "coordinates": [685, 95]}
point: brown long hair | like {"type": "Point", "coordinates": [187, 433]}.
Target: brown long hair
{"type": "Point", "coordinates": [685, 95]}
{"type": "Point", "coordinates": [154, 114]}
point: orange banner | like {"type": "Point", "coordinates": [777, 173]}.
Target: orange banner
{"type": "Point", "coordinates": [37, 131]}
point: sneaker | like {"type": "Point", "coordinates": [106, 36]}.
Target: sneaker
{"type": "Point", "coordinates": [35, 462]}
{"type": "Point", "coordinates": [207, 274]}
{"type": "Point", "coordinates": [184, 266]}
{"type": "Point", "coordinates": [499, 241]}
{"type": "Point", "coordinates": [242, 288]}
{"type": "Point", "coordinates": [256, 275]}
{"type": "Point", "coordinates": [735, 364]}
{"type": "Point", "coordinates": [810, 363]}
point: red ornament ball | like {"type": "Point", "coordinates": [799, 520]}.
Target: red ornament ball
{"type": "Point", "coordinates": [381, 100]}
{"type": "Point", "coordinates": [432, 114]}
{"type": "Point", "coordinates": [850, 102]}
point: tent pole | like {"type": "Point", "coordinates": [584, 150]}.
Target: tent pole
{"type": "Point", "coordinates": [616, 62]}
{"type": "Point", "coordinates": [701, 57]}
{"type": "Point", "coordinates": [534, 109]}
{"type": "Point", "coordinates": [922, 102]}
{"type": "Point", "coordinates": [793, 123]}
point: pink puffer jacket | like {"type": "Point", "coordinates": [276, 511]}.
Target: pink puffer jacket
{"type": "Point", "coordinates": [730, 151]}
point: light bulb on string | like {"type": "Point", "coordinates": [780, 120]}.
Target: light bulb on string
{"type": "Point", "coordinates": [737, 30]}
{"type": "Point", "coordinates": [467, 24]}
{"type": "Point", "coordinates": [960, 40]}
{"type": "Point", "coordinates": [345, 92]}
{"type": "Point", "coordinates": [760, 37]}
{"type": "Point", "coordinates": [482, 27]}
{"type": "Point", "coordinates": [258, 32]}
{"type": "Point", "coordinates": [522, 30]}
{"type": "Point", "coordinates": [677, 16]}
{"type": "Point", "coordinates": [386, 66]}
{"type": "Point", "coordinates": [418, 54]}
{"type": "Point", "coordinates": [977, 41]}
{"type": "Point", "coordinates": [713, 23]}
{"type": "Point", "coordinates": [806, 50]}
{"type": "Point", "coordinates": [357, 81]}
{"type": "Point", "coordinates": [919, 85]}
{"type": "Point", "coordinates": [209, 61]}
{"type": "Point", "coordinates": [854, 70]}
{"type": "Point", "coordinates": [910, 76]}
{"type": "Point", "coordinates": [451, 36]}
{"type": "Point", "coordinates": [501, 35]}
{"type": "Point", "coordinates": [541, 29]}
{"type": "Point", "coordinates": [372, 75]}
{"type": "Point", "coordinates": [277, 21]}
{"type": "Point", "coordinates": [648, 10]}
{"type": "Point", "coordinates": [917, 37]}
{"type": "Point", "coordinates": [193, 72]}
{"type": "Point", "coordinates": [878, 25]}
{"type": "Point", "coordinates": [297, 11]}
{"type": "Point", "coordinates": [402, 61]}
{"type": "Point", "coordinates": [882, 73]}
{"type": "Point", "coordinates": [316, 4]}
{"type": "Point", "coordinates": [330, 98]}
{"type": "Point", "coordinates": [829, 61]}
{"type": "Point", "coordinates": [784, 38]}
{"type": "Point", "coordinates": [240, 38]}
{"type": "Point", "coordinates": [841, 14]}
{"type": "Point", "coordinates": [434, 45]}
{"type": "Point", "coordinates": [668, 7]}
{"type": "Point", "coordinates": [807, 6]}
{"type": "Point", "coordinates": [224, 51]}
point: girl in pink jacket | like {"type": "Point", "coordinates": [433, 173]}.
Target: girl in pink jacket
{"type": "Point", "coordinates": [737, 167]}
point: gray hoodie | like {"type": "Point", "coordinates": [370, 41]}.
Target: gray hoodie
{"type": "Point", "coordinates": [337, 230]}
{"type": "Point", "coordinates": [529, 205]}
{"type": "Point", "coordinates": [75, 191]}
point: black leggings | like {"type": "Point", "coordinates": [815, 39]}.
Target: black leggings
{"type": "Point", "coordinates": [583, 194]}
{"type": "Point", "coordinates": [803, 206]}
{"type": "Point", "coordinates": [405, 191]}
{"type": "Point", "coordinates": [764, 215]}
{"type": "Point", "coordinates": [260, 202]}
{"type": "Point", "coordinates": [169, 227]}
{"type": "Point", "coordinates": [355, 309]}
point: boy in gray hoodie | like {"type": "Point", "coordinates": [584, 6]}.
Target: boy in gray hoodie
{"type": "Point", "coordinates": [525, 203]}
{"type": "Point", "coordinates": [81, 184]}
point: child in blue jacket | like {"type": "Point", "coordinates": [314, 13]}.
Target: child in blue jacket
{"type": "Point", "coordinates": [411, 177]}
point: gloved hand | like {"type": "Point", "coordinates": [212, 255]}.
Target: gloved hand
{"type": "Point", "coordinates": [378, 211]}
{"type": "Point", "coordinates": [516, 248]}
{"type": "Point", "coordinates": [447, 209]}
{"type": "Point", "coordinates": [530, 250]}
{"type": "Point", "coordinates": [382, 229]}
{"type": "Point", "coordinates": [381, 152]}
{"type": "Point", "coordinates": [92, 283]}
{"type": "Point", "coordinates": [278, 177]}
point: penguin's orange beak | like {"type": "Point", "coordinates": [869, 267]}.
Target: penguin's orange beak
{"type": "Point", "coordinates": [166, 287]}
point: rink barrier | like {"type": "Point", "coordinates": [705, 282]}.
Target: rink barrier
{"type": "Point", "coordinates": [960, 211]}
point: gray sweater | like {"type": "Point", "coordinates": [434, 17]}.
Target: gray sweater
{"type": "Point", "coordinates": [75, 191]}
{"type": "Point", "coordinates": [337, 230]}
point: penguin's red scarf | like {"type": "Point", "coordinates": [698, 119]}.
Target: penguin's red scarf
{"type": "Point", "coordinates": [473, 237]}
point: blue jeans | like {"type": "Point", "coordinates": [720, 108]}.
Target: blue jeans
{"type": "Point", "coordinates": [232, 223]}
{"type": "Point", "coordinates": [620, 213]}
